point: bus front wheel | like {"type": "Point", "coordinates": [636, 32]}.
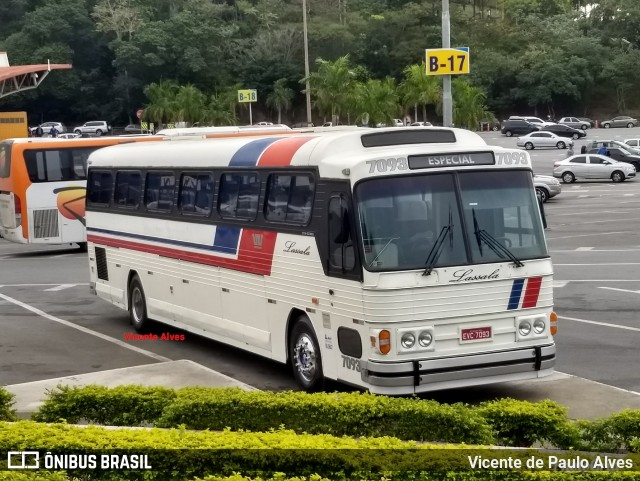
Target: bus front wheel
{"type": "Point", "coordinates": [137, 305]}
{"type": "Point", "coordinates": [304, 353]}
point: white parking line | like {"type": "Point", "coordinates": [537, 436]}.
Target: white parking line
{"type": "Point", "coordinates": [91, 332]}
{"type": "Point", "coordinates": [60, 287]}
{"type": "Point", "coordinates": [621, 290]}
{"type": "Point", "coordinates": [591, 249]}
{"type": "Point", "coordinates": [588, 235]}
{"type": "Point", "coordinates": [602, 264]}
{"type": "Point", "coordinates": [39, 285]}
{"type": "Point", "coordinates": [603, 324]}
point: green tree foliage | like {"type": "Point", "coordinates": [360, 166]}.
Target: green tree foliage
{"type": "Point", "coordinates": [163, 106]}
{"type": "Point", "coordinates": [420, 89]}
{"type": "Point", "coordinates": [378, 101]}
{"type": "Point", "coordinates": [469, 104]}
{"type": "Point", "coordinates": [331, 84]}
{"type": "Point", "coordinates": [564, 57]}
{"type": "Point", "coordinates": [280, 98]}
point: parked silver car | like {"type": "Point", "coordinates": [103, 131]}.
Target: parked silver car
{"type": "Point", "coordinates": [592, 166]}
{"type": "Point", "coordinates": [620, 121]}
{"type": "Point", "coordinates": [546, 187]}
{"type": "Point", "coordinates": [536, 140]}
{"type": "Point", "coordinates": [575, 122]}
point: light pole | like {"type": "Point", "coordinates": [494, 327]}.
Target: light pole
{"type": "Point", "coordinates": [306, 61]}
{"type": "Point", "coordinates": [447, 99]}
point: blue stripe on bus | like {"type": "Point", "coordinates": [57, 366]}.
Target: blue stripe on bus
{"type": "Point", "coordinates": [227, 238]}
{"type": "Point", "coordinates": [224, 246]}
{"type": "Point", "coordinates": [516, 292]}
{"type": "Point", "coordinates": [248, 154]}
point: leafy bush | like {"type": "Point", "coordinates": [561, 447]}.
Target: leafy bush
{"type": "Point", "coordinates": [523, 423]}
{"type": "Point", "coordinates": [6, 401]}
{"type": "Point", "coordinates": [353, 414]}
{"type": "Point", "coordinates": [118, 406]}
{"type": "Point", "coordinates": [620, 431]}
{"type": "Point", "coordinates": [176, 454]}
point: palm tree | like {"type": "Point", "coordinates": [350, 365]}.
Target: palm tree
{"type": "Point", "coordinates": [378, 101]}
{"type": "Point", "coordinates": [280, 98]}
{"type": "Point", "coordinates": [330, 85]}
{"type": "Point", "coordinates": [420, 89]}
{"type": "Point", "coordinates": [162, 106]}
{"type": "Point", "coordinates": [220, 110]}
{"type": "Point", "coordinates": [469, 106]}
{"type": "Point", "coordinates": [190, 104]}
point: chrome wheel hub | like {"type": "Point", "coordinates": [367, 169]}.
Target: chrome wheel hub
{"type": "Point", "coordinates": [304, 355]}
{"type": "Point", "coordinates": [137, 304]}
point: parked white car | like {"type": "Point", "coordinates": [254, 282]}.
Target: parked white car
{"type": "Point", "coordinates": [96, 127]}
{"type": "Point", "coordinates": [537, 121]}
{"type": "Point", "coordinates": [546, 187]}
{"type": "Point", "coordinates": [592, 166]}
{"type": "Point", "coordinates": [537, 140]}
{"type": "Point", "coordinates": [46, 128]}
{"type": "Point", "coordinates": [421, 124]}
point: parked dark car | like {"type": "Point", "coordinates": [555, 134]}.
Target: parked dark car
{"type": "Point", "coordinates": [517, 127]}
{"type": "Point", "coordinates": [587, 119]}
{"type": "Point", "coordinates": [618, 153]}
{"type": "Point", "coordinates": [565, 131]}
{"type": "Point", "coordinates": [133, 129]}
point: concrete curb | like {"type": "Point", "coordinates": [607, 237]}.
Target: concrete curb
{"type": "Point", "coordinates": [172, 374]}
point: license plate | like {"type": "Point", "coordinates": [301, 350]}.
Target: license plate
{"type": "Point", "coordinates": [475, 334]}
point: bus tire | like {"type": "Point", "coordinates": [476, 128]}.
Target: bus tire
{"type": "Point", "coordinates": [304, 353]}
{"type": "Point", "coordinates": [137, 305]}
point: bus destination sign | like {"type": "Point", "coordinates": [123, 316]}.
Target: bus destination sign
{"type": "Point", "coordinates": [459, 159]}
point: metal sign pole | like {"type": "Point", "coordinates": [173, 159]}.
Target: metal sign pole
{"type": "Point", "coordinates": [250, 116]}
{"type": "Point", "coordinates": [447, 98]}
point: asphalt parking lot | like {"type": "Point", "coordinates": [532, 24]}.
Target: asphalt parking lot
{"type": "Point", "coordinates": [52, 326]}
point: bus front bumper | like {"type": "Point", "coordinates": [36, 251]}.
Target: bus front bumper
{"type": "Point", "coordinates": [408, 377]}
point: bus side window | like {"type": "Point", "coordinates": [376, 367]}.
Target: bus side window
{"type": "Point", "coordinates": [100, 188]}
{"type": "Point", "coordinates": [341, 248]}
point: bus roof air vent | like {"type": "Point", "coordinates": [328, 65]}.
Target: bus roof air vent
{"type": "Point", "coordinates": [404, 137]}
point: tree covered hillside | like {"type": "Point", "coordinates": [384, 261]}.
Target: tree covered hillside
{"type": "Point", "coordinates": [185, 59]}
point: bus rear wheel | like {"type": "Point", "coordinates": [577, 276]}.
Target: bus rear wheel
{"type": "Point", "coordinates": [137, 305]}
{"type": "Point", "coordinates": [304, 353]}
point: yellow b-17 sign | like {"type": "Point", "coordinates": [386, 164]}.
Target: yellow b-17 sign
{"type": "Point", "coordinates": [447, 61]}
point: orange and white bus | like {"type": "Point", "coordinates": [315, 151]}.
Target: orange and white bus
{"type": "Point", "coordinates": [43, 185]}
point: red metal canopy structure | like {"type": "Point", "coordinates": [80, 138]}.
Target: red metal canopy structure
{"type": "Point", "coordinates": [23, 77]}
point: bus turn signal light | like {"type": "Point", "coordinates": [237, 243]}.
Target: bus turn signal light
{"type": "Point", "coordinates": [553, 322]}
{"type": "Point", "coordinates": [385, 341]}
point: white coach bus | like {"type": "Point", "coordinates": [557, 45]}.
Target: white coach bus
{"type": "Point", "coordinates": [397, 260]}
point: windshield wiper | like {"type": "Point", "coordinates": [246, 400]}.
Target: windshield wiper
{"type": "Point", "coordinates": [493, 244]}
{"type": "Point", "coordinates": [391, 239]}
{"type": "Point", "coordinates": [436, 250]}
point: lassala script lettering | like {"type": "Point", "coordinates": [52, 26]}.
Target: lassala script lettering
{"type": "Point", "coordinates": [290, 246]}
{"type": "Point", "coordinates": [467, 275]}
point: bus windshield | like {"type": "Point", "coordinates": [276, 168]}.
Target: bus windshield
{"type": "Point", "coordinates": [462, 216]}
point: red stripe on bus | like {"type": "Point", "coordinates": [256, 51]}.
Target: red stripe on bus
{"type": "Point", "coordinates": [532, 292]}
{"type": "Point", "coordinates": [281, 152]}
{"type": "Point", "coordinates": [255, 255]}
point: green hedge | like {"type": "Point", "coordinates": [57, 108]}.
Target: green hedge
{"type": "Point", "coordinates": [180, 454]}
{"type": "Point", "coordinates": [6, 403]}
{"type": "Point", "coordinates": [118, 406]}
{"type": "Point", "coordinates": [506, 422]}
{"type": "Point", "coordinates": [495, 476]}
{"type": "Point", "coordinates": [351, 414]}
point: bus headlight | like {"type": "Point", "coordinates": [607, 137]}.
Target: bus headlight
{"type": "Point", "coordinates": [524, 328]}
{"type": "Point", "coordinates": [425, 338]}
{"type": "Point", "coordinates": [408, 340]}
{"type": "Point", "coordinates": [539, 326]}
